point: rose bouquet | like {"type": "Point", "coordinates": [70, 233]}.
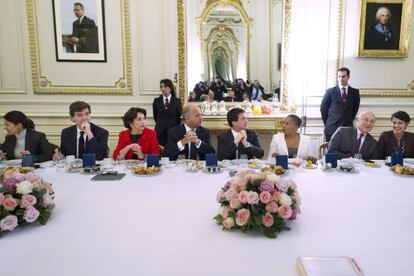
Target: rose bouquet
{"type": "Point", "coordinates": [24, 198]}
{"type": "Point", "coordinates": [261, 201]}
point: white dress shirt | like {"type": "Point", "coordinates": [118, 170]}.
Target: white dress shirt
{"type": "Point", "coordinates": [20, 143]}
{"type": "Point", "coordinates": [180, 145]}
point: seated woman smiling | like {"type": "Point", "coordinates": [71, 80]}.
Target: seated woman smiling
{"type": "Point", "coordinates": [136, 140]}
{"type": "Point", "coordinates": [290, 142]}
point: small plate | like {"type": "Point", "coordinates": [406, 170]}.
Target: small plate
{"type": "Point", "coordinates": [13, 162]}
{"type": "Point", "coordinates": [372, 164]}
{"type": "Point", "coordinates": [240, 161]}
{"type": "Point", "coordinates": [409, 160]}
{"type": "Point", "coordinates": [46, 164]}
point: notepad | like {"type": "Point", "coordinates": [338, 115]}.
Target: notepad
{"type": "Point", "coordinates": [328, 266]}
{"type": "Point", "coordinates": [103, 177]}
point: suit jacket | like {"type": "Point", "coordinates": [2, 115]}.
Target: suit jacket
{"type": "Point", "coordinates": [166, 118]}
{"type": "Point", "coordinates": [87, 32]}
{"type": "Point", "coordinates": [344, 141]}
{"type": "Point", "coordinates": [227, 148]}
{"type": "Point", "coordinates": [177, 133]}
{"type": "Point", "coordinates": [97, 145]}
{"type": "Point", "coordinates": [148, 143]}
{"type": "Point", "coordinates": [279, 146]}
{"type": "Point", "coordinates": [388, 144]}
{"type": "Point", "coordinates": [335, 113]}
{"type": "Point", "coordinates": [218, 91]}
{"type": "Point", "coordinates": [35, 142]}
{"type": "Point", "coordinates": [251, 92]}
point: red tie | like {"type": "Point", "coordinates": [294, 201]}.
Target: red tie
{"type": "Point", "coordinates": [344, 96]}
{"type": "Point", "coordinates": [166, 103]}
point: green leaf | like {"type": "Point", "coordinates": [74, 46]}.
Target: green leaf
{"type": "Point", "coordinates": [39, 193]}
{"type": "Point", "coordinates": [219, 218]}
{"type": "Point", "coordinates": [3, 189]}
{"type": "Point", "coordinates": [269, 232]}
{"type": "Point", "coordinates": [19, 212]}
{"type": "Point", "coordinates": [258, 220]}
{"type": "Point", "coordinates": [44, 217]}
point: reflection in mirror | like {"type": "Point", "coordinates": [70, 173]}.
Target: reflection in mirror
{"type": "Point", "coordinates": [233, 49]}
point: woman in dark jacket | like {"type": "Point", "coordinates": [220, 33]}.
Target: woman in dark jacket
{"type": "Point", "coordinates": [166, 110]}
{"type": "Point", "coordinates": [397, 139]}
{"type": "Point", "coordinates": [22, 139]}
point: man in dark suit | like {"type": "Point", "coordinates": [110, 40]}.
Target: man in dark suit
{"type": "Point", "coordinates": [218, 88]}
{"type": "Point", "coordinates": [256, 92]}
{"type": "Point", "coordinates": [84, 32]}
{"type": "Point", "coordinates": [348, 141]}
{"type": "Point", "coordinates": [238, 140]}
{"type": "Point", "coordinates": [190, 138]}
{"type": "Point", "coordinates": [83, 137]}
{"type": "Point", "coordinates": [340, 104]}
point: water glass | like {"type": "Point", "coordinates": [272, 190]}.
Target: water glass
{"type": "Point", "coordinates": [243, 156]}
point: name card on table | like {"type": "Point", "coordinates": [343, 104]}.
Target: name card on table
{"type": "Point", "coordinates": [89, 160]}
{"type": "Point", "coordinates": [153, 160]}
{"type": "Point", "coordinates": [28, 160]}
{"type": "Point", "coordinates": [211, 159]}
{"type": "Point", "coordinates": [331, 158]}
{"type": "Point", "coordinates": [397, 158]}
{"type": "Point", "coordinates": [282, 160]}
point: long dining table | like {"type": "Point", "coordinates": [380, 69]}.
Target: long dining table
{"type": "Point", "coordinates": [163, 225]}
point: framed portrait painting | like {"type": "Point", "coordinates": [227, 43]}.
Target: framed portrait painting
{"type": "Point", "coordinates": [384, 28]}
{"type": "Point", "coordinates": [79, 30]}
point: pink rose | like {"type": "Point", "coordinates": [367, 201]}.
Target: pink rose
{"type": "Point", "coordinates": [219, 196]}
{"type": "Point", "coordinates": [267, 185]}
{"type": "Point", "coordinates": [28, 200]}
{"type": "Point", "coordinates": [31, 214]}
{"type": "Point", "coordinates": [253, 198]}
{"type": "Point", "coordinates": [267, 220]}
{"type": "Point", "coordinates": [265, 197]}
{"type": "Point", "coordinates": [225, 211]}
{"type": "Point", "coordinates": [1, 198]}
{"type": "Point", "coordinates": [235, 203]}
{"type": "Point", "coordinates": [243, 196]}
{"type": "Point", "coordinates": [271, 207]}
{"type": "Point", "coordinates": [18, 176]}
{"type": "Point", "coordinates": [283, 185]}
{"type": "Point", "coordinates": [228, 223]}
{"type": "Point", "coordinates": [230, 194]}
{"type": "Point", "coordinates": [285, 211]}
{"type": "Point", "coordinates": [9, 203]}
{"type": "Point", "coordinates": [241, 183]}
{"type": "Point", "coordinates": [276, 196]}
{"type": "Point", "coordinates": [8, 223]}
{"type": "Point", "coordinates": [242, 217]}
{"type": "Point", "coordinates": [33, 177]}
{"type": "Point", "coordinates": [47, 200]}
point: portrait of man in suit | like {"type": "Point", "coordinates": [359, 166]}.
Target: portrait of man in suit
{"type": "Point", "coordinates": [340, 104]}
{"type": "Point", "coordinates": [84, 32]}
{"type": "Point", "coordinates": [382, 26]}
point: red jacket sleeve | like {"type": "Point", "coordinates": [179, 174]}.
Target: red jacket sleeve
{"type": "Point", "coordinates": [123, 141]}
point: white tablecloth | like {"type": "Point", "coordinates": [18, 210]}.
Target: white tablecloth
{"type": "Point", "coordinates": [164, 225]}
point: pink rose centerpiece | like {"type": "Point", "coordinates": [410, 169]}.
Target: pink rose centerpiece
{"type": "Point", "coordinates": [24, 198]}
{"type": "Point", "coordinates": [261, 201]}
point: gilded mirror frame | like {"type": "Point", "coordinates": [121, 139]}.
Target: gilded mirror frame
{"type": "Point", "coordinates": [182, 50]}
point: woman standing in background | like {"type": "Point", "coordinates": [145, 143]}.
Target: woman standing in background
{"type": "Point", "coordinates": [166, 110]}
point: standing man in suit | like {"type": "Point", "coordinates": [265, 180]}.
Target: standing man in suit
{"type": "Point", "coordinates": [84, 136]}
{"type": "Point", "coordinates": [84, 32]}
{"type": "Point", "coordinates": [238, 139]}
{"type": "Point", "coordinates": [348, 141]}
{"type": "Point", "coordinates": [340, 104]}
{"type": "Point", "coordinates": [190, 138]}
{"type": "Point", "coordinates": [166, 110]}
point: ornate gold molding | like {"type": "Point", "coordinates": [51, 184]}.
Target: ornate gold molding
{"type": "Point", "coordinates": [287, 9]}
{"type": "Point", "coordinates": [41, 84]}
{"type": "Point", "coordinates": [181, 52]}
{"type": "Point", "coordinates": [392, 92]}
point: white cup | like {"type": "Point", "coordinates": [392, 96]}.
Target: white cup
{"type": "Point", "coordinates": [165, 161]}
{"type": "Point", "coordinates": [70, 158]}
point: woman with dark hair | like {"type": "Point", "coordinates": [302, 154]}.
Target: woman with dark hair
{"type": "Point", "coordinates": [397, 139]}
{"type": "Point", "coordinates": [290, 142]}
{"type": "Point", "coordinates": [166, 110]}
{"type": "Point", "coordinates": [22, 139]}
{"type": "Point", "coordinates": [136, 140]}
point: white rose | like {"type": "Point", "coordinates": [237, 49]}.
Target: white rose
{"type": "Point", "coordinates": [47, 200]}
{"type": "Point", "coordinates": [253, 198]}
{"type": "Point", "coordinates": [285, 199]}
{"type": "Point", "coordinates": [272, 177]}
{"type": "Point", "coordinates": [24, 187]}
{"type": "Point", "coordinates": [230, 194]}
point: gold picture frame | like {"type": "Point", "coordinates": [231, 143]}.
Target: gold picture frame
{"type": "Point", "coordinates": [385, 27]}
